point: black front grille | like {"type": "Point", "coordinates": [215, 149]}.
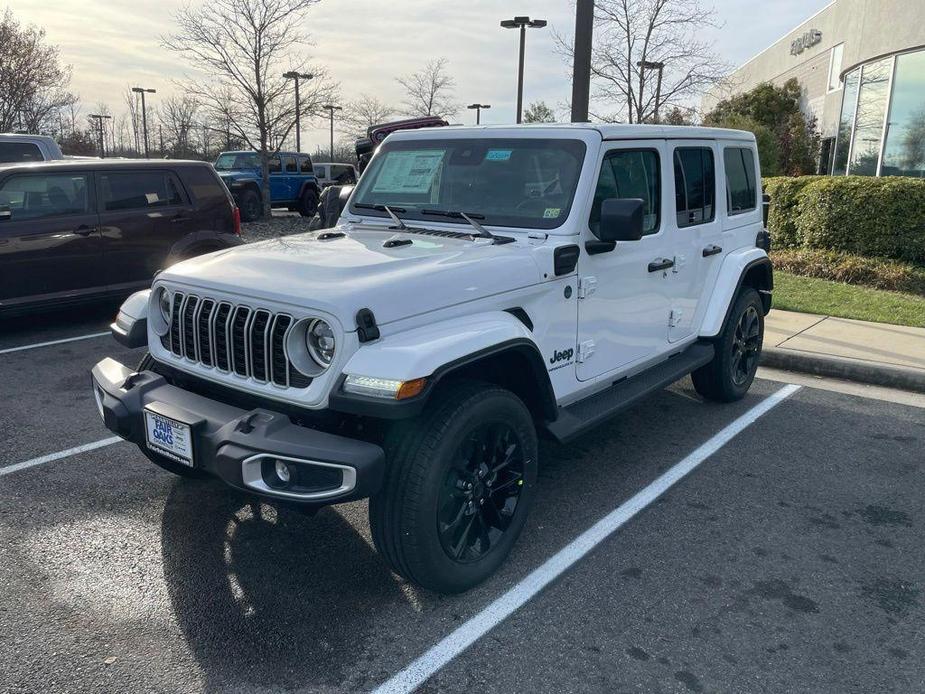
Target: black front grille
{"type": "Point", "coordinates": [233, 339]}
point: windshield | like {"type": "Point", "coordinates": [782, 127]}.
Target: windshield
{"type": "Point", "coordinates": [230, 161]}
{"type": "Point", "coordinates": [507, 182]}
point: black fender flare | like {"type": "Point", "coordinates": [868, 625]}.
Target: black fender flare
{"type": "Point", "coordinates": [306, 185]}
{"type": "Point", "coordinates": [760, 274]}
{"type": "Point", "coordinates": [209, 239]}
{"type": "Point", "coordinates": [541, 402]}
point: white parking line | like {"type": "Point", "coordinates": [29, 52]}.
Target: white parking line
{"type": "Point", "coordinates": [468, 633]}
{"type": "Point", "coordinates": [102, 443]}
{"type": "Point", "coordinates": [36, 345]}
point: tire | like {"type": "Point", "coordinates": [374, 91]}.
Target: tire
{"type": "Point", "coordinates": [738, 349]}
{"type": "Point", "coordinates": [250, 206]}
{"type": "Point", "coordinates": [426, 522]}
{"type": "Point", "coordinates": [308, 203]}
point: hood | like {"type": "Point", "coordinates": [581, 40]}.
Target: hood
{"type": "Point", "coordinates": [343, 275]}
{"type": "Point", "coordinates": [238, 173]}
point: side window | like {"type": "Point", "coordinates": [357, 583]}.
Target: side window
{"type": "Point", "coordinates": [275, 166]}
{"type": "Point", "coordinates": [134, 190]}
{"type": "Point", "coordinates": [19, 151]}
{"type": "Point", "coordinates": [695, 185]}
{"type": "Point", "coordinates": [41, 196]}
{"type": "Point", "coordinates": [629, 173]}
{"type": "Point", "coordinates": [741, 195]}
{"type": "Point", "coordinates": [305, 164]}
{"type": "Point", "coordinates": [342, 174]}
{"type": "Point", "coordinates": [290, 165]}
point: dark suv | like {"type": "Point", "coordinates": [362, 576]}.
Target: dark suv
{"type": "Point", "coordinates": [74, 230]}
{"type": "Point", "coordinates": [293, 184]}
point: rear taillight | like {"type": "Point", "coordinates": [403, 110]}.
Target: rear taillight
{"type": "Point", "coordinates": [236, 216]}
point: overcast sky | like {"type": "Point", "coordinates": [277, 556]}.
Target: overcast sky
{"type": "Point", "coordinates": [365, 44]}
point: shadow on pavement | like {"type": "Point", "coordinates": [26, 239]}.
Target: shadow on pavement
{"type": "Point", "coordinates": [265, 594]}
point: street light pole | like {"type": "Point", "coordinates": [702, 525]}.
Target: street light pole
{"type": "Point", "coordinates": [144, 113]}
{"type": "Point", "coordinates": [478, 111]}
{"type": "Point", "coordinates": [330, 108]}
{"type": "Point", "coordinates": [293, 75]}
{"type": "Point", "coordinates": [99, 119]}
{"type": "Point", "coordinates": [581, 69]}
{"type": "Point", "coordinates": [522, 23]}
{"type": "Point", "coordinates": [652, 65]}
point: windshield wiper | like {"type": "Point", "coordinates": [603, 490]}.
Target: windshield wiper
{"type": "Point", "coordinates": [469, 217]}
{"type": "Point", "coordinates": [388, 209]}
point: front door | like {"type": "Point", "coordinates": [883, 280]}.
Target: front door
{"type": "Point", "coordinates": [50, 242]}
{"type": "Point", "coordinates": [623, 303]}
{"type": "Point", "coordinates": [143, 213]}
{"type": "Point", "coordinates": [695, 231]}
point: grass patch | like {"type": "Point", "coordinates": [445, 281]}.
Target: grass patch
{"type": "Point", "coordinates": [811, 295]}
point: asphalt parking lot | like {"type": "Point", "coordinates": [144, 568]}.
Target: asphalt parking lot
{"type": "Point", "coordinates": [788, 560]}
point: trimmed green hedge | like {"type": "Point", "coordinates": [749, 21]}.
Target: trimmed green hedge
{"type": "Point", "coordinates": [866, 216]}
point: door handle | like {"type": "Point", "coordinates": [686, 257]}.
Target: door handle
{"type": "Point", "coordinates": [711, 250]}
{"type": "Point", "coordinates": [661, 264]}
{"type": "Point", "coordinates": [177, 218]}
{"type": "Point", "coordinates": [84, 230]}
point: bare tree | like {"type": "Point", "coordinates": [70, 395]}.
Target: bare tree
{"type": "Point", "coordinates": [633, 37]}
{"type": "Point", "coordinates": [364, 112]}
{"type": "Point", "coordinates": [33, 83]}
{"type": "Point", "coordinates": [429, 92]}
{"type": "Point", "coordinates": [243, 47]}
{"type": "Point", "coordinates": [177, 115]}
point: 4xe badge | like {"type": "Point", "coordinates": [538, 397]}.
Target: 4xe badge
{"type": "Point", "coordinates": [564, 355]}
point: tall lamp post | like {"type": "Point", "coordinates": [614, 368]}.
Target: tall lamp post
{"type": "Point", "coordinates": [652, 65]}
{"type": "Point", "coordinates": [293, 75]}
{"type": "Point", "coordinates": [581, 69]}
{"type": "Point", "coordinates": [99, 120]}
{"type": "Point", "coordinates": [144, 113]}
{"type": "Point", "coordinates": [478, 111]}
{"type": "Point", "coordinates": [522, 23]}
{"type": "Point", "coordinates": [331, 108]}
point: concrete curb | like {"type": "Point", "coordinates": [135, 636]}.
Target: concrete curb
{"type": "Point", "coordinates": [887, 375]}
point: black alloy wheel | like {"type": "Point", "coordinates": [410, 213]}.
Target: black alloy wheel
{"type": "Point", "coordinates": [746, 346]}
{"type": "Point", "coordinates": [481, 492]}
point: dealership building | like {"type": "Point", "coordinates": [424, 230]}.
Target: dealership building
{"type": "Point", "coordinates": [861, 64]}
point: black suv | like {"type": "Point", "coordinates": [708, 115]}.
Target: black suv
{"type": "Point", "coordinates": [73, 230]}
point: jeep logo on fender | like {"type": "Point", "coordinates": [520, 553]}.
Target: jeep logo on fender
{"type": "Point", "coordinates": [564, 355]}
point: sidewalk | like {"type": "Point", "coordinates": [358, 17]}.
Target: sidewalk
{"type": "Point", "coordinates": [877, 353]}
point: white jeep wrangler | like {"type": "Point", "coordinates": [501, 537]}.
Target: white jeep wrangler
{"type": "Point", "coordinates": [484, 286]}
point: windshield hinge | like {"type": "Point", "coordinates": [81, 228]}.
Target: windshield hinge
{"type": "Point", "coordinates": [586, 287]}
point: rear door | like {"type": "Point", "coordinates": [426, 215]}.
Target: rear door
{"type": "Point", "coordinates": [143, 213]}
{"type": "Point", "coordinates": [291, 174]}
{"type": "Point", "coordinates": [695, 231]}
{"type": "Point", "coordinates": [50, 242]}
{"type": "Point", "coordinates": [279, 188]}
{"type": "Point", "coordinates": [623, 306]}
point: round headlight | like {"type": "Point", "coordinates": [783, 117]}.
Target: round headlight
{"type": "Point", "coordinates": [163, 304]}
{"type": "Point", "coordinates": [319, 338]}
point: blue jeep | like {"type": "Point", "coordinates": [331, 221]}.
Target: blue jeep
{"type": "Point", "coordinates": [292, 182]}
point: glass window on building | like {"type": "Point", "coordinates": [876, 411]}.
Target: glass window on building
{"type": "Point", "coordinates": [835, 67]}
{"type": "Point", "coordinates": [904, 154]}
{"type": "Point", "coordinates": [846, 123]}
{"type": "Point", "coordinates": [871, 114]}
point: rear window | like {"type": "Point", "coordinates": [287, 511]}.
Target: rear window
{"type": "Point", "coordinates": [305, 163]}
{"type": "Point", "coordinates": [741, 192]}
{"type": "Point", "coordinates": [290, 165]}
{"type": "Point", "coordinates": [204, 184]}
{"type": "Point", "coordinates": [695, 185]}
{"type": "Point", "coordinates": [132, 190]}
{"type": "Point", "coordinates": [19, 151]}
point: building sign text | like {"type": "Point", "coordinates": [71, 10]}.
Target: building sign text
{"type": "Point", "coordinates": [807, 40]}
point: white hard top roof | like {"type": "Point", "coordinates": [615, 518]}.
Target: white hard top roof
{"type": "Point", "coordinates": [607, 131]}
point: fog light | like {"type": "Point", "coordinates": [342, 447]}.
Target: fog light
{"type": "Point", "coordinates": [282, 471]}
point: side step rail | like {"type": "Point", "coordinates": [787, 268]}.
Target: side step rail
{"type": "Point", "coordinates": [579, 417]}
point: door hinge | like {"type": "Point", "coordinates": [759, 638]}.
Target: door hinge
{"type": "Point", "coordinates": [585, 350]}
{"type": "Point", "coordinates": [674, 317]}
{"type": "Point", "coordinates": [586, 287]}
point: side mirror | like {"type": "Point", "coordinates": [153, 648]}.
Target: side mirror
{"type": "Point", "coordinates": [6, 213]}
{"type": "Point", "coordinates": [622, 219]}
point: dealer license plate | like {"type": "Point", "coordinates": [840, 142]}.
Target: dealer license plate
{"type": "Point", "coordinates": [169, 438]}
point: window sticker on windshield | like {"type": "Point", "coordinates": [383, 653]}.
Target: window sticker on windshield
{"type": "Point", "coordinates": [408, 172]}
{"type": "Point", "coordinates": [552, 212]}
{"type": "Point", "coordinates": [498, 154]}
{"type": "Point", "coordinates": [152, 198]}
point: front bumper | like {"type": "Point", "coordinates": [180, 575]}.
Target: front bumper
{"type": "Point", "coordinates": [232, 443]}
